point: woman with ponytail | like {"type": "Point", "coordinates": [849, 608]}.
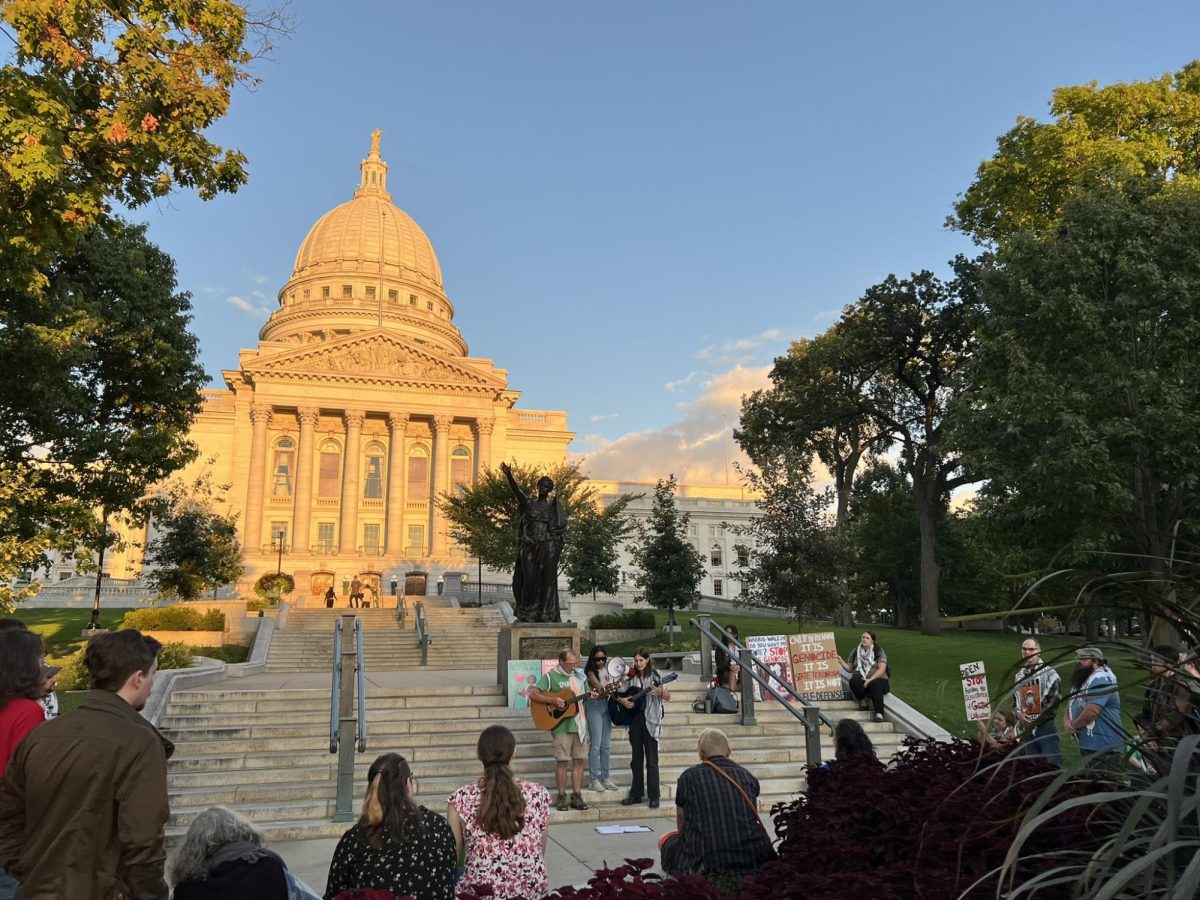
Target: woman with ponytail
{"type": "Point", "coordinates": [396, 845]}
{"type": "Point", "coordinates": [501, 824]}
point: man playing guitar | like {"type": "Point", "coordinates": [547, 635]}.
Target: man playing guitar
{"type": "Point", "coordinates": [570, 737]}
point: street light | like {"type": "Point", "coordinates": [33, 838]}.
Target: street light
{"type": "Point", "coordinates": [280, 544]}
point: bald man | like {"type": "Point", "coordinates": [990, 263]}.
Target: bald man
{"type": "Point", "coordinates": [716, 812]}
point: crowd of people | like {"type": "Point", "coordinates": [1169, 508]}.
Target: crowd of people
{"type": "Point", "coordinates": [83, 800]}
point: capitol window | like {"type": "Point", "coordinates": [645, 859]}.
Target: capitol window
{"type": "Point", "coordinates": [347, 291]}
{"type": "Point", "coordinates": [393, 296]}
{"type": "Point", "coordinates": [460, 468]}
{"type": "Point", "coordinates": [418, 474]}
{"type": "Point", "coordinates": [284, 455]}
{"type": "Point", "coordinates": [370, 292]}
{"type": "Point", "coordinates": [412, 299]}
{"type": "Point", "coordinates": [373, 485]}
{"type": "Point", "coordinates": [718, 587]}
{"type": "Point", "coordinates": [325, 292]}
{"type": "Point", "coordinates": [429, 305]}
{"type": "Point", "coordinates": [328, 470]}
{"type": "Point", "coordinates": [714, 555]}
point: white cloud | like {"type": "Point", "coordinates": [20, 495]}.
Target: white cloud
{"type": "Point", "coordinates": [259, 310]}
{"type": "Point", "coordinates": [693, 448]}
{"type": "Point", "coordinates": [727, 351]}
{"type": "Point", "coordinates": [599, 418]}
{"type": "Point", "coordinates": [260, 279]}
{"type": "Point", "coordinates": [681, 382]}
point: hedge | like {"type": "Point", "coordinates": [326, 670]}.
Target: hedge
{"type": "Point", "coordinates": [74, 675]}
{"type": "Point", "coordinates": [631, 618]}
{"type": "Point", "coordinates": [174, 618]}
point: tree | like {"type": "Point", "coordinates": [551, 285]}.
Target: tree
{"type": "Point", "coordinates": [1100, 136]}
{"type": "Point", "coordinates": [816, 406]}
{"type": "Point", "coordinates": [595, 545]}
{"type": "Point", "coordinates": [483, 515]}
{"type": "Point", "coordinates": [1086, 406]}
{"type": "Point", "coordinates": [100, 412]}
{"type": "Point", "coordinates": [110, 101]}
{"type": "Point", "coordinates": [671, 568]}
{"type": "Point", "coordinates": [797, 554]}
{"type": "Point", "coordinates": [198, 547]}
{"type": "Point", "coordinates": [887, 542]}
{"type": "Point", "coordinates": [914, 336]}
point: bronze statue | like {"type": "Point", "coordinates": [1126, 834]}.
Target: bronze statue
{"type": "Point", "coordinates": [541, 531]}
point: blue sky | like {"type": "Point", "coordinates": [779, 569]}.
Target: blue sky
{"type": "Point", "coordinates": [637, 205]}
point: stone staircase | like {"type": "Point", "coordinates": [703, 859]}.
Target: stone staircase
{"type": "Point", "coordinates": [264, 753]}
{"type": "Point", "coordinates": [462, 639]}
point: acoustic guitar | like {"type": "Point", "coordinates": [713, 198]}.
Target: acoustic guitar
{"type": "Point", "coordinates": [547, 717]}
{"type": "Point", "coordinates": [622, 716]}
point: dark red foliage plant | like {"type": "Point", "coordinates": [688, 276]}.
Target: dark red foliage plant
{"type": "Point", "coordinates": [936, 824]}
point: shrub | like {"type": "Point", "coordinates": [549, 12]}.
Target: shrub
{"type": "Point", "coordinates": [174, 618]}
{"type": "Point", "coordinates": [258, 604]}
{"type": "Point", "coordinates": [272, 586]}
{"type": "Point", "coordinates": [631, 618]}
{"type": "Point", "coordinates": [74, 675]}
{"type": "Point", "coordinates": [1048, 625]}
{"type": "Point", "coordinates": [229, 653]}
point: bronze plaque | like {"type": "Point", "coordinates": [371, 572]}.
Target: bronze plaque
{"type": "Point", "coordinates": [543, 647]}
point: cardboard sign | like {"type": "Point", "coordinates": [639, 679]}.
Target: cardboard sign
{"type": "Point", "coordinates": [772, 651]}
{"type": "Point", "coordinates": [522, 678]}
{"type": "Point", "coordinates": [815, 667]}
{"type": "Point", "coordinates": [975, 692]}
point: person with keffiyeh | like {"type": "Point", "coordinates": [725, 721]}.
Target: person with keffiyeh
{"type": "Point", "coordinates": [868, 667]}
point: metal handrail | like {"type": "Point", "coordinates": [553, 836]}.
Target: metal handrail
{"type": "Point", "coordinates": [424, 637]}
{"type": "Point", "coordinates": [337, 686]}
{"type": "Point", "coordinates": [812, 714]}
{"type": "Point", "coordinates": [361, 732]}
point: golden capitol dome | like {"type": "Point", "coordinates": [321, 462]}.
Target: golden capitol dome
{"type": "Point", "coordinates": [365, 264]}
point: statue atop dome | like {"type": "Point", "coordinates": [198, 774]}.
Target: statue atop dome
{"type": "Point", "coordinates": [375, 142]}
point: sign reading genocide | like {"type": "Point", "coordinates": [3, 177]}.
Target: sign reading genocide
{"type": "Point", "coordinates": [975, 692]}
{"type": "Point", "coordinates": [815, 666]}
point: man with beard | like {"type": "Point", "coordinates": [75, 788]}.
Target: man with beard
{"type": "Point", "coordinates": [1093, 713]}
{"type": "Point", "coordinates": [1166, 715]}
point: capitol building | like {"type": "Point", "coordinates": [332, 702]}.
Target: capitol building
{"type": "Point", "coordinates": [362, 403]}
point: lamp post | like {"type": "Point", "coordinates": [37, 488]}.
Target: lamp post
{"type": "Point", "coordinates": [479, 583]}
{"type": "Point", "coordinates": [280, 543]}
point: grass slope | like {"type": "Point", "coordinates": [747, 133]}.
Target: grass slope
{"type": "Point", "coordinates": [925, 667]}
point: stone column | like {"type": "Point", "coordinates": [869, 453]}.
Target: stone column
{"type": "Point", "coordinates": [395, 485]}
{"type": "Point", "coordinates": [302, 517]}
{"type": "Point", "coordinates": [483, 436]}
{"type": "Point", "coordinates": [441, 483]}
{"type": "Point", "coordinates": [256, 480]}
{"type": "Point", "coordinates": [351, 490]}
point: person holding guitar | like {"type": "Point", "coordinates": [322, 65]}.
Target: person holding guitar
{"type": "Point", "coordinates": [645, 730]}
{"type": "Point", "coordinates": [571, 736]}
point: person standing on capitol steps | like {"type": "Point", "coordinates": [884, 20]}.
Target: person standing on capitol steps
{"type": "Point", "coordinates": [645, 731]}
{"type": "Point", "coordinates": [570, 735]}
{"type": "Point", "coordinates": [599, 722]}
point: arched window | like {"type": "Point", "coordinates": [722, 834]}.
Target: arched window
{"type": "Point", "coordinates": [329, 469]}
{"type": "Point", "coordinates": [460, 468]}
{"type": "Point", "coordinates": [373, 483]}
{"type": "Point", "coordinates": [715, 555]}
{"type": "Point", "coordinates": [743, 555]}
{"type": "Point", "coordinates": [418, 474]}
{"type": "Point", "coordinates": [285, 457]}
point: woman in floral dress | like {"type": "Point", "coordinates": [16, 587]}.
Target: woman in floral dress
{"type": "Point", "coordinates": [502, 824]}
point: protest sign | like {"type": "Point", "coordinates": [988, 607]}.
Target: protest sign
{"type": "Point", "coordinates": [815, 669]}
{"type": "Point", "coordinates": [772, 651]}
{"type": "Point", "coordinates": [975, 692]}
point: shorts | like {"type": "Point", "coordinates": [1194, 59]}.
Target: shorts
{"type": "Point", "coordinates": [567, 745]}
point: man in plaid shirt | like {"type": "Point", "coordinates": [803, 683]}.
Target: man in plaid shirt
{"type": "Point", "coordinates": [716, 810]}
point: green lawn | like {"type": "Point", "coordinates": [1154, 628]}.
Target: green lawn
{"type": "Point", "coordinates": [924, 667]}
{"type": "Point", "coordinates": [61, 628]}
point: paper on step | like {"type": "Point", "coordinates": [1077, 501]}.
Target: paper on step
{"type": "Point", "coordinates": [622, 829]}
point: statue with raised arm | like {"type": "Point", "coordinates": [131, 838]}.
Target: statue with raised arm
{"type": "Point", "coordinates": [541, 533]}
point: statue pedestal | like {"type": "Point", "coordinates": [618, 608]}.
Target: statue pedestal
{"type": "Point", "coordinates": [533, 640]}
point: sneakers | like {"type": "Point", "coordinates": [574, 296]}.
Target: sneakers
{"type": "Point", "coordinates": [596, 785]}
{"type": "Point", "coordinates": [577, 801]}
{"type": "Point", "coordinates": [562, 803]}
{"type": "Point", "coordinates": [610, 785]}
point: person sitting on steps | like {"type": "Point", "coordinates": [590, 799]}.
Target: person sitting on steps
{"type": "Point", "coordinates": [868, 666]}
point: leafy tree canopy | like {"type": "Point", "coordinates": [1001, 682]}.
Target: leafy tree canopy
{"type": "Point", "coordinates": [108, 387]}
{"type": "Point", "coordinates": [1099, 136]}
{"type": "Point", "coordinates": [483, 516]}
{"type": "Point", "coordinates": [593, 551]}
{"type": "Point", "coordinates": [110, 101]}
{"type": "Point", "coordinates": [671, 568]}
{"type": "Point", "coordinates": [197, 547]}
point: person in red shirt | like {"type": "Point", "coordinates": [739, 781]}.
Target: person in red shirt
{"type": "Point", "coordinates": [20, 689]}
{"type": "Point", "coordinates": [21, 685]}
